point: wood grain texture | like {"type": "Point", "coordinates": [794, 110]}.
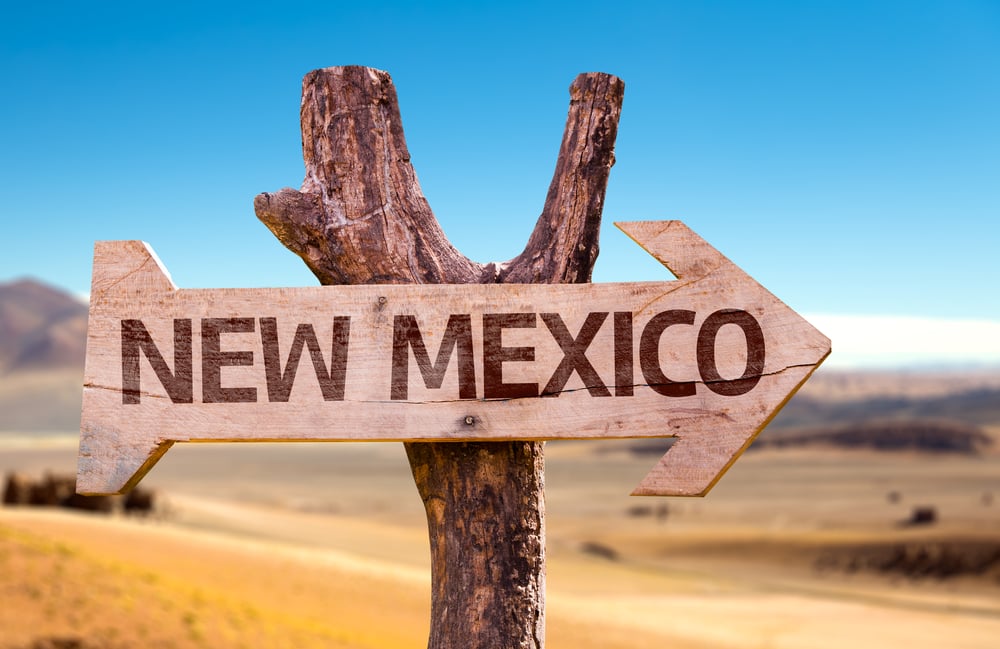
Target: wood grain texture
{"type": "Point", "coordinates": [595, 360]}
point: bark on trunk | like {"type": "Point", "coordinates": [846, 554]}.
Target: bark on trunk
{"type": "Point", "coordinates": [485, 507]}
{"type": "Point", "coordinates": [361, 218]}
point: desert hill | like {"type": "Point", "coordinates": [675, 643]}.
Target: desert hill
{"type": "Point", "coordinates": [931, 412]}
{"type": "Point", "coordinates": [41, 328]}
{"type": "Point", "coordinates": [978, 405]}
{"type": "Point", "coordinates": [43, 336]}
{"type": "Point", "coordinates": [928, 436]}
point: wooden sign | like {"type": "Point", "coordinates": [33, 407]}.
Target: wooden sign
{"type": "Point", "coordinates": [709, 358]}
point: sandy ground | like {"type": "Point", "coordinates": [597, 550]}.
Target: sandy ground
{"type": "Point", "coordinates": [324, 546]}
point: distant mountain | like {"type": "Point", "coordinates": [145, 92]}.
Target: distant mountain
{"type": "Point", "coordinates": [41, 328]}
{"type": "Point", "coordinates": [43, 338]}
{"type": "Point", "coordinates": [923, 435]}
{"type": "Point", "coordinates": [932, 411]}
{"type": "Point", "coordinates": [975, 406]}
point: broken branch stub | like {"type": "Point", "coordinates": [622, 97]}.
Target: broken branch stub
{"type": "Point", "coordinates": [563, 247]}
{"type": "Point", "coordinates": [360, 216]}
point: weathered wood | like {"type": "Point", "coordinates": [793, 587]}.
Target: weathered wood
{"type": "Point", "coordinates": [359, 221]}
{"type": "Point", "coordinates": [708, 357]}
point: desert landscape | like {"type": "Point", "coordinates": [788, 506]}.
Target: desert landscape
{"type": "Point", "coordinates": [867, 515]}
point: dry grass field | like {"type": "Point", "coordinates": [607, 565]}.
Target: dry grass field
{"type": "Point", "coordinates": [324, 546]}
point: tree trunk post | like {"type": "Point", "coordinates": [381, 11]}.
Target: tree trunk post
{"type": "Point", "coordinates": [361, 218]}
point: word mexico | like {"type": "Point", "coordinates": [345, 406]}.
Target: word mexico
{"type": "Point", "coordinates": [708, 358]}
{"type": "Point", "coordinates": [456, 341]}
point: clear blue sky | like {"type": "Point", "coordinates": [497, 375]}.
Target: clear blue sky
{"type": "Point", "coordinates": [846, 154]}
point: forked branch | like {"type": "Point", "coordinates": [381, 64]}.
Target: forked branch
{"type": "Point", "coordinates": [361, 218]}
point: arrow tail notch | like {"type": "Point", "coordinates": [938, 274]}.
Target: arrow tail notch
{"type": "Point", "coordinates": [123, 267]}
{"type": "Point", "coordinates": [112, 461]}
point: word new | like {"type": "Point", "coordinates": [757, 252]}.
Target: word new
{"type": "Point", "coordinates": [456, 342]}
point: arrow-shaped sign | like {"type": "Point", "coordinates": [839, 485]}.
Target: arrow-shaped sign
{"type": "Point", "coordinates": [709, 358]}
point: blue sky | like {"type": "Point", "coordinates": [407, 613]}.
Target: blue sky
{"type": "Point", "coordinates": [845, 154]}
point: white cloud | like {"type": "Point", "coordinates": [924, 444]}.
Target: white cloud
{"type": "Point", "coordinates": [902, 341]}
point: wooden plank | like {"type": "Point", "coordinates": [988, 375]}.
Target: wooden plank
{"type": "Point", "coordinates": [708, 358]}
